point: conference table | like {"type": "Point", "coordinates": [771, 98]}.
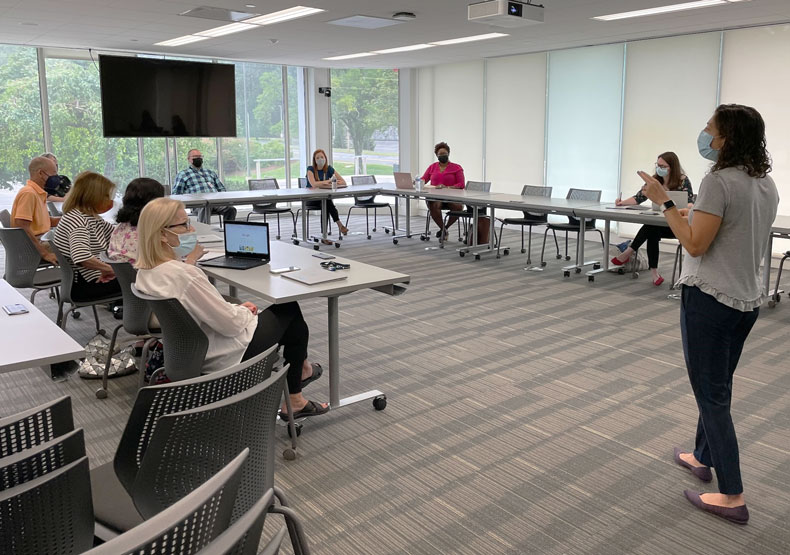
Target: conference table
{"type": "Point", "coordinates": [278, 289]}
{"type": "Point", "coordinates": [33, 339]}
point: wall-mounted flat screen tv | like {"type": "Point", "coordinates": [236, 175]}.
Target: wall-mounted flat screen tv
{"type": "Point", "coordinates": [146, 97]}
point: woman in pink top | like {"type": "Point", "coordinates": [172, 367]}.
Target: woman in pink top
{"type": "Point", "coordinates": [443, 174]}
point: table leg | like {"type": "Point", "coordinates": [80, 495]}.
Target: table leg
{"type": "Point", "coordinates": [334, 362]}
{"type": "Point", "coordinates": [607, 226]}
{"type": "Point", "coordinates": [491, 238]}
{"type": "Point", "coordinates": [767, 265]}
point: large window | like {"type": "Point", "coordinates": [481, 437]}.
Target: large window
{"type": "Point", "coordinates": [21, 137]}
{"type": "Point", "coordinates": [297, 124]}
{"type": "Point", "coordinates": [75, 120]}
{"type": "Point", "coordinates": [365, 121]}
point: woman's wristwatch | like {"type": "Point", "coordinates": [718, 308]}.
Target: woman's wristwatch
{"type": "Point", "coordinates": [667, 205]}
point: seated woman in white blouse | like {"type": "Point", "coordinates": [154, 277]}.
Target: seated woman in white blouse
{"type": "Point", "coordinates": [235, 332]}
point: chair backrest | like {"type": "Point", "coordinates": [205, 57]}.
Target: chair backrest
{"type": "Point", "coordinates": [190, 446]}
{"type": "Point", "coordinates": [363, 179]}
{"type": "Point", "coordinates": [35, 426]}
{"type": "Point", "coordinates": [155, 401]}
{"type": "Point", "coordinates": [265, 184]}
{"type": "Point", "coordinates": [5, 218]}
{"type": "Point", "coordinates": [591, 195]}
{"type": "Point", "coordinates": [480, 186]}
{"type": "Point", "coordinates": [244, 535]}
{"type": "Point", "coordinates": [66, 271]}
{"type": "Point", "coordinates": [53, 210]}
{"type": "Point", "coordinates": [188, 525]}
{"type": "Point", "coordinates": [51, 514]}
{"type": "Point", "coordinates": [536, 191]}
{"type": "Point", "coordinates": [303, 183]}
{"type": "Point", "coordinates": [136, 311]}
{"type": "Point", "coordinates": [31, 463]}
{"type": "Point", "coordinates": [22, 258]}
{"type": "Point", "coordinates": [186, 344]}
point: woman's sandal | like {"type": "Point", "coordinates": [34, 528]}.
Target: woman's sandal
{"type": "Point", "coordinates": [317, 371]}
{"type": "Point", "coordinates": [310, 409]}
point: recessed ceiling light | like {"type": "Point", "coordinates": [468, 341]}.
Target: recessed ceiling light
{"type": "Point", "coordinates": [29, 24]}
{"type": "Point", "coordinates": [404, 48]}
{"type": "Point", "coordinates": [666, 9]}
{"type": "Point", "coordinates": [186, 39]}
{"type": "Point", "coordinates": [225, 30]}
{"type": "Point", "coordinates": [283, 15]}
{"type": "Point", "coordinates": [404, 16]}
{"type": "Point", "coordinates": [469, 39]}
{"type": "Point", "coordinates": [250, 6]}
{"type": "Point", "coordinates": [133, 40]}
{"type": "Point", "coordinates": [350, 56]}
{"type": "Point", "coordinates": [365, 22]}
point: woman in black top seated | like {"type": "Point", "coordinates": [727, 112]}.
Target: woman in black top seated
{"type": "Point", "coordinates": [320, 176]}
{"type": "Point", "coordinates": [671, 176]}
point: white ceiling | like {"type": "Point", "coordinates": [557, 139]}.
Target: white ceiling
{"type": "Point", "coordinates": [135, 25]}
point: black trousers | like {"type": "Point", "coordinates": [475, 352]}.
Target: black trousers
{"type": "Point", "coordinates": [83, 290]}
{"type": "Point", "coordinates": [652, 234]}
{"type": "Point", "coordinates": [713, 338]}
{"type": "Point", "coordinates": [332, 214]}
{"type": "Point", "coordinates": [227, 212]}
{"type": "Point", "coordinates": [283, 324]}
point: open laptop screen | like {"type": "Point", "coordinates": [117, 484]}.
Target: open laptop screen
{"type": "Point", "coordinates": [249, 239]}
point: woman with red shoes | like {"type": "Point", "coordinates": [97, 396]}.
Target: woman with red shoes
{"type": "Point", "coordinates": [670, 175]}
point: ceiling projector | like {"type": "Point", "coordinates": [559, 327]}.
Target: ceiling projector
{"type": "Point", "coordinates": [506, 13]}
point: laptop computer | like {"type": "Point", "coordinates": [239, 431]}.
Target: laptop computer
{"type": "Point", "coordinates": [403, 180]}
{"type": "Point", "coordinates": [246, 246]}
{"type": "Point", "coordinates": [680, 198]}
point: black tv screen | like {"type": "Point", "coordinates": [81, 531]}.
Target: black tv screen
{"type": "Point", "coordinates": [143, 97]}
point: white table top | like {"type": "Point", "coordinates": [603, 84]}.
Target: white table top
{"type": "Point", "coordinates": [278, 289]}
{"type": "Point", "coordinates": [32, 339]}
{"type": "Point", "coordinates": [606, 212]}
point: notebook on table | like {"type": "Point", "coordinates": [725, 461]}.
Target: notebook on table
{"type": "Point", "coordinates": [246, 246]}
{"type": "Point", "coordinates": [314, 276]}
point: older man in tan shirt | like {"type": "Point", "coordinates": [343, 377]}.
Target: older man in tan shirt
{"type": "Point", "coordinates": [29, 211]}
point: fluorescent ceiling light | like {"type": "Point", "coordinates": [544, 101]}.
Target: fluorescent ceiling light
{"type": "Point", "coordinates": [666, 9]}
{"type": "Point", "coordinates": [469, 39]}
{"type": "Point", "coordinates": [404, 48]}
{"type": "Point", "coordinates": [283, 15]}
{"type": "Point", "coordinates": [226, 30]}
{"type": "Point", "coordinates": [186, 39]}
{"type": "Point", "coordinates": [350, 56]}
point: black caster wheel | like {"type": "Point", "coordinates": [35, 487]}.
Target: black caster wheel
{"type": "Point", "coordinates": [337, 245]}
{"type": "Point", "coordinates": [462, 254]}
{"type": "Point", "coordinates": [567, 258]}
{"type": "Point", "coordinates": [596, 266]}
{"type": "Point", "coordinates": [374, 230]}
{"type": "Point", "coordinates": [296, 242]}
{"type": "Point", "coordinates": [76, 315]}
{"type": "Point", "coordinates": [591, 278]}
{"type": "Point", "coordinates": [566, 273]}
{"type": "Point", "coordinates": [506, 251]}
{"type": "Point", "coordinates": [771, 304]}
{"type": "Point", "coordinates": [289, 454]}
{"type": "Point", "coordinates": [101, 393]}
{"type": "Point", "coordinates": [777, 297]}
{"type": "Point", "coordinates": [387, 231]}
{"type": "Point", "coordinates": [524, 251]}
{"type": "Point", "coordinates": [621, 271]}
{"type": "Point", "coordinates": [102, 332]}
{"type": "Point", "coordinates": [315, 247]}
{"type": "Point", "coordinates": [578, 270]}
{"type": "Point", "coordinates": [380, 402]}
{"type": "Point", "coordinates": [408, 237]}
{"type": "Point", "coordinates": [370, 237]}
{"type": "Point", "coordinates": [277, 237]}
{"type": "Point", "coordinates": [543, 263]}
{"type": "Point", "coordinates": [394, 241]}
{"type": "Point", "coordinates": [559, 257]}
{"type": "Point", "coordinates": [298, 428]}
{"type": "Point", "coordinates": [477, 257]}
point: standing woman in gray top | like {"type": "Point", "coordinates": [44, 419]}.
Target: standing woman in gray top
{"type": "Point", "coordinates": [725, 236]}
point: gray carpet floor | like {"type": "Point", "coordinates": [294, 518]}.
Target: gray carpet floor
{"type": "Point", "coordinates": [528, 413]}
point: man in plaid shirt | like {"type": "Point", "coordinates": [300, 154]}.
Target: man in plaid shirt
{"type": "Point", "coordinates": [197, 179]}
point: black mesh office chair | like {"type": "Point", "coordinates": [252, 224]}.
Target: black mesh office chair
{"type": "Point", "coordinates": [269, 208]}
{"type": "Point", "coordinates": [529, 220]}
{"type": "Point", "coordinates": [465, 216]}
{"type": "Point", "coordinates": [573, 223]}
{"type": "Point", "coordinates": [368, 202]}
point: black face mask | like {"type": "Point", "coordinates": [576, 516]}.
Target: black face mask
{"type": "Point", "coordinates": [443, 158]}
{"type": "Point", "coordinates": [197, 162]}
{"type": "Point", "coordinates": [57, 185]}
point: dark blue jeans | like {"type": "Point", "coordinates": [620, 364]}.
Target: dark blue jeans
{"type": "Point", "coordinates": [713, 338]}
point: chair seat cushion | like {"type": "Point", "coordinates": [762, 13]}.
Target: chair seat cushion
{"type": "Point", "coordinates": [50, 276]}
{"type": "Point", "coordinates": [523, 221]}
{"type": "Point", "coordinates": [268, 209]}
{"type": "Point", "coordinates": [459, 214]}
{"type": "Point", "coordinates": [571, 227]}
{"type": "Point", "coordinates": [371, 205]}
{"type": "Point", "coordinates": [112, 505]}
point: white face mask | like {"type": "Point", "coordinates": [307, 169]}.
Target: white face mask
{"type": "Point", "coordinates": [320, 162]}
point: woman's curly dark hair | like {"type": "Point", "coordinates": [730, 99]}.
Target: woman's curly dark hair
{"type": "Point", "coordinates": [440, 146]}
{"type": "Point", "coordinates": [138, 193]}
{"type": "Point", "coordinates": [743, 130]}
